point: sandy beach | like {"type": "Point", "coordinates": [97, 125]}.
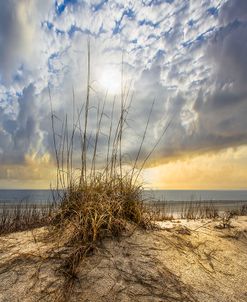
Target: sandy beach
{"type": "Point", "coordinates": [185, 260]}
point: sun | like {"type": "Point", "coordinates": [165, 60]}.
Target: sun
{"type": "Point", "coordinates": [110, 80]}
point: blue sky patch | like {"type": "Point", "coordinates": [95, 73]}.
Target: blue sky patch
{"type": "Point", "coordinates": [213, 11]}
{"type": "Point", "coordinates": [61, 7]}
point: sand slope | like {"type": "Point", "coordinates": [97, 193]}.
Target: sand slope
{"type": "Point", "coordinates": [181, 261]}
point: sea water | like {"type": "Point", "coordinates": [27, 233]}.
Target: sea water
{"type": "Point", "coordinates": [171, 196]}
{"type": "Point", "coordinates": [174, 199]}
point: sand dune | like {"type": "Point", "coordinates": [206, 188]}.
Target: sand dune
{"type": "Point", "coordinates": [178, 261]}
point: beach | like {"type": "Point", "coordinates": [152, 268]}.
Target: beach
{"type": "Point", "coordinates": [123, 151]}
{"type": "Point", "coordinates": [178, 260]}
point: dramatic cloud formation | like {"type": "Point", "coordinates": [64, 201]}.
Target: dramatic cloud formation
{"type": "Point", "coordinates": [190, 56]}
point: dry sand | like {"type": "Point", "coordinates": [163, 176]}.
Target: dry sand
{"type": "Point", "coordinates": [178, 261]}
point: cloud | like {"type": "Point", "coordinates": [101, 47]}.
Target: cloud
{"type": "Point", "coordinates": [189, 56]}
{"type": "Point", "coordinates": [213, 87]}
{"type": "Point", "coordinates": [20, 134]}
{"type": "Point", "coordinates": [232, 11]}
{"type": "Point", "coordinates": [16, 35]}
{"type": "Point", "coordinates": [221, 111]}
{"type": "Point", "coordinates": [222, 170]}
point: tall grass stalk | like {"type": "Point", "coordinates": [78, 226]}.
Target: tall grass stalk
{"type": "Point", "coordinates": [102, 200]}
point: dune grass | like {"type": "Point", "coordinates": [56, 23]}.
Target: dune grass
{"type": "Point", "coordinates": [100, 200]}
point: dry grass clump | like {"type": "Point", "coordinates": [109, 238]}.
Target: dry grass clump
{"type": "Point", "coordinates": [226, 220]}
{"type": "Point", "coordinates": [98, 208]}
{"type": "Point", "coordinates": [24, 216]}
{"type": "Point", "coordinates": [89, 213]}
{"type": "Point", "coordinates": [243, 210]}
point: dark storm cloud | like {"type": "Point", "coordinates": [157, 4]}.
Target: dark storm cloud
{"type": "Point", "coordinates": [10, 37]}
{"type": "Point", "coordinates": [233, 10]}
{"type": "Point", "coordinates": [222, 113]}
{"type": "Point", "coordinates": [220, 108]}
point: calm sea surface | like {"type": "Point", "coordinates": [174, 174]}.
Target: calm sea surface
{"type": "Point", "coordinates": [197, 195]}
{"type": "Point", "coordinates": [170, 201]}
{"type": "Point", "coordinates": [174, 201]}
{"type": "Point", "coordinates": [39, 196]}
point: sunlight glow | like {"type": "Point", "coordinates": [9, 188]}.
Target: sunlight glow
{"type": "Point", "coordinates": [110, 80]}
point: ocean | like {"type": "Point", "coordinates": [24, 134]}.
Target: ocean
{"type": "Point", "coordinates": [171, 201]}
{"type": "Point", "coordinates": [197, 195]}
{"type": "Point", "coordinates": [26, 196]}
{"type": "Point", "coordinates": [41, 196]}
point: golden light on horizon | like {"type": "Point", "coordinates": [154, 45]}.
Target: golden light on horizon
{"type": "Point", "coordinates": [210, 171]}
{"type": "Point", "coordinates": [201, 172]}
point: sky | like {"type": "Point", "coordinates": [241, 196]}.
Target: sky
{"type": "Point", "coordinates": [190, 57]}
